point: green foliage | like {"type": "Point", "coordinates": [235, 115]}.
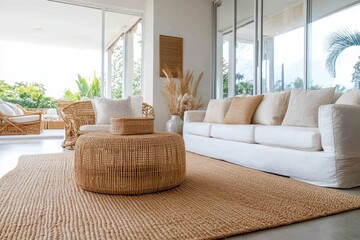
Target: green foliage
{"type": "Point", "coordinates": [137, 78]}
{"type": "Point", "coordinates": [85, 89]}
{"type": "Point", "coordinates": [68, 95]}
{"type": "Point", "coordinates": [27, 95]}
{"type": "Point", "coordinates": [117, 77]}
{"type": "Point", "coordinates": [241, 86]}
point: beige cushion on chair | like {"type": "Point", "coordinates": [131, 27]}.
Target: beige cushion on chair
{"type": "Point", "coordinates": [304, 106]}
{"type": "Point", "coordinates": [6, 109]}
{"type": "Point", "coordinates": [25, 118]}
{"type": "Point", "coordinates": [272, 109]}
{"type": "Point", "coordinates": [216, 110]}
{"type": "Point", "coordinates": [15, 108]}
{"type": "Point", "coordinates": [242, 109]}
{"type": "Point", "coordinates": [105, 109]}
{"type": "Point", "coordinates": [351, 97]}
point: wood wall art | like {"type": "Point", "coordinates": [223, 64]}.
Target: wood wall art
{"type": "Point", "coordinates": [171, 54]}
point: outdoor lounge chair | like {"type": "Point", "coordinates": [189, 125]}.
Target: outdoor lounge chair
{"type": "Point", "coordinates": [26, 123]}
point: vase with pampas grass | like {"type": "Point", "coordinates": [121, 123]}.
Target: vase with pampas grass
{"type": "Point", "coordinates": [180, 95]}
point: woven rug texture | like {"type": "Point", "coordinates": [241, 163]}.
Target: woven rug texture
{"type": "Point", "coordinates": [39, 199]}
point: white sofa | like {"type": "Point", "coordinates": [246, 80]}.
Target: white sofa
{"type": "Point", "coordinates": [326, 156]}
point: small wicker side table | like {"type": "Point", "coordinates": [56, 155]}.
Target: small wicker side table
{"type": "Point", "coordinates": [129, 164]}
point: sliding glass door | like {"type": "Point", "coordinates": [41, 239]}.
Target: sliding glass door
{"type": "Point", "coordinates": [280, 45]}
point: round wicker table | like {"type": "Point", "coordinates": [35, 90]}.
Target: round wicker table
{"type": "Point", "coordinates": [129, 164]}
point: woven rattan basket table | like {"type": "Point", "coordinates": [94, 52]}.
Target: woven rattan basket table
{"type": "Point", "coordinates": [129, 164]}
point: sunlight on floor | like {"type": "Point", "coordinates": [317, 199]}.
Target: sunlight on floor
{"type": "Point", "coordinates": [11, 150]}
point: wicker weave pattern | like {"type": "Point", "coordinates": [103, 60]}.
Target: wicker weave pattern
{"type": "Point", "coordinates": [133, 164]}
{"type": "Point", "coordinates": [130, 126]}
{"type": "Point", "coordinates": [82, 113]}
{"type": "Point", "coordinates": [9, 127]}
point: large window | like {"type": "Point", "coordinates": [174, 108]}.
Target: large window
{"type": "Point", "coordinates": [280, 45]}
{"type": "Point", "coordinates": [124, 61]}
{"type": "Point", "coordinates": [334, 21]}
{"type": "Point", "coordinates": [72, 51]}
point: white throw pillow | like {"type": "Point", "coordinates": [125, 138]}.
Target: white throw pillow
{"type": "Point", "coordinates": [5, 109]}
{"type": "Point", "coordinates": [351, 97]}
{"type": "Point", "coordinates": [272, 109]}
{"type": "Point", "coordinates": [18, 111]}
{"type": "Point", "coordinates": [304, 106]}
{"type": "Point", "coordinates": [136, 106]}
{"type": "Point", "coordinates": [105, 109]}
{"type": "Point", "coordinates": [216, 110]}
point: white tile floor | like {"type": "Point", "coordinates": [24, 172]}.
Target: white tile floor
{"type": "Point", "coordinates": [345, 226]}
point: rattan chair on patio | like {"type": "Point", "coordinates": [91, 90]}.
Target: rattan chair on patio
{"type": "Point", "coordinates": [82, 113]}
{"type": "Point", "coordinates": [27, 123]}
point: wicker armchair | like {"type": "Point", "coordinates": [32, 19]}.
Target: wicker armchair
{"type": "Point", "coordinates": [28, 123]}
{"type": "Point", "coordinates": [82, 113]}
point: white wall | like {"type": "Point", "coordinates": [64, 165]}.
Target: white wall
{"type": "Point", "coordinates": [190, 20]}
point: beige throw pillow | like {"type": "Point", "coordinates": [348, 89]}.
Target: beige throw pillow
{"type": "Point", "coordinates": [242, 109]}
{"type": "Point", "coordinates": [216, 110]}
{"type": "Point", "coordinates": [105, 109]}
{"type": "Point", "coordinates": [304, 106]}
{"type": "Point", "coordinates": [272, 109]}
{"type": "Point", "coordinates": [351, 97]}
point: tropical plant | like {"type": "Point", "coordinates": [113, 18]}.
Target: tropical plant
{"type": "Point", "coordinates": [337, 43]}
{"type": "Point", "coordinates": [85, 89]}
{"type": "Point", "coordinates": [241, 86]}
{"type": "Point", "coordinates": [27, 95]}
{"type": "Point", "coordinates": [180, 93]}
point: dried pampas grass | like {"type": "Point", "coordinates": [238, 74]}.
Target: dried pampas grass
{"type": "Point", "coordinates": [181, 94]}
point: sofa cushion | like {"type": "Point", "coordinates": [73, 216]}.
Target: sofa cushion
{"type": "Point", "coordinates": [304, 106]}
{"type": "Point", "coordinates": [198, 128]}
{"type": "Point", "coordinates": [239, 133]}
{"type": "Point", "coordinates": [25, 118]}
{"type": "Point", "coordinates": [242, 109]}
{"type": "Point", "coordinates": [216, 110]}
{"type": "Point", "coordinates": [301, 138]}
{"type": "Point", "coordinates": [272, 109]}
{"type": "Point", "coordinates": [337, 95]}
{"type": "Point", "coordinates": [94, 128]}
{"type": "Point", "coordinates": [107, 108]}
{"type": "Point", "coordinates": [351, 97]}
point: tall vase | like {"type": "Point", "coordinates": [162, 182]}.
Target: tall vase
{"type": "Point", "coordinates": [175, 124]}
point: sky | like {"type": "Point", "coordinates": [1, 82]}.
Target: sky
{"type": "Point", "coordinates": [54, 66]}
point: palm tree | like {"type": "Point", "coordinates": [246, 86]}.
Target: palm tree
{"type": "Point", "coordinates": [338, 42]}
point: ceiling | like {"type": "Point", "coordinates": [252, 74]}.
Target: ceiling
{"type": "Point", "coordinates": [51, 23]}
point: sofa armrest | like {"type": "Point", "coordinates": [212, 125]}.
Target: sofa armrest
{"type": "Point", "coordinates": [339, 127]}
{"type": "Point", "coordinates": [194, 116]}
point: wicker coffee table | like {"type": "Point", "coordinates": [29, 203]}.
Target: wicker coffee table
{"type": "Point", "coordinates": [129, 164]}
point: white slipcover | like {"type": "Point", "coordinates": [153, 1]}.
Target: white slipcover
{"type": "Point", "coordinates": [236, 132]}
{"type": "Point", "coordinates": [302, 138]}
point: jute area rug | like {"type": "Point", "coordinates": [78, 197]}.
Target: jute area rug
{"type": "Point", "coordinates": [40, 200]}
